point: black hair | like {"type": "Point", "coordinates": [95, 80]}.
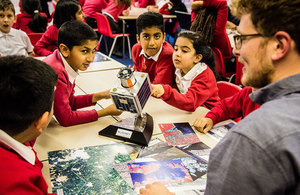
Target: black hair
{"type": "Point", "coordinates": [205, 23]}
{"type": "Point", "coordinates": [149, 19]}
{"type": "Point", "coordinates": [75, 33]}
{"type": "Point", "coordinates": [65, 11]}
{"type": "Point", "coordinates": [26, 92]}
{"type": "Point", "coordinates": [7, 5]}
{"type": "Point", "coordinates": [38, 23]}
{"type": "Point", "coordinates": [200, 46]}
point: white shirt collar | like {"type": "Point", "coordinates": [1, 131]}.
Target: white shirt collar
{"type": "Point", "coordinates": [184, 82]}
{"type": "Point", "coordinates": [11, 33]}
{"type": "Point", "coordinates": [155, 57]}
{"type": "Point", "coordinates": [24, 151]}
{"type": "Point", "coordinates": [71, 72]}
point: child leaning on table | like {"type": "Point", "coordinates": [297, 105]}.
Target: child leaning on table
{"type": "Point", "coordinates": [26, 100]}
{"type": "Point", "coordinates": [194, 79]}
{"type": "Point", "coordinates": [77, 44]}
{"type": "Point", "coordinates": [12, 41]}
{"type": "Point", "coordinates": [152, 54]}
{"type": "Point", "coordinates": [236, 106]}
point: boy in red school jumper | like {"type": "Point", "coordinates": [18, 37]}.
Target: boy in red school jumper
{"type": "Point", "coordinates": [152, 54]}
{"type": "Point", "coordinates": [25, 112]}
{"type": "Point", "coordinates": [236, 106]}
{"type": "Point", "coordinates": [77, 47]}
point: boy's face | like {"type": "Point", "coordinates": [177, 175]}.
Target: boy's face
{"type": "Point", "coordinates": [151, 39]}
{"type": "Point", "coordinates": [80, 57]}
{"type": "Point", "coordinates": [7, 19]}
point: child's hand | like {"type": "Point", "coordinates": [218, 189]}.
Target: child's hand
{"type": "Point", "coordinates": [203, 124]}
{"type": "Point", "coordinates": [125, 12]}
{"type": "Point", "coordinates": [157, 90]}
{"type": "Point", "coordinates": [155, 188]}
{"type": "Point", "coordinates": [196, 5]}
{"type": "Point", "coordinates": [101, 95]}
{"type": "Point", "coordinates": [110, 110]}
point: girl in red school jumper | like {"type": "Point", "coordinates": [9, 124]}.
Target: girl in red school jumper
{"type": "Point", "coordinates": [31, 20]}
{"type": "Point", "coordinates": [220, 38]}
{"type": "Point", "coordinates": [195, 80]}
{"type": "Point", "coordinates": [90, 8]}
{"type": "Point", "coordinates": [65, 10]}
{"type": "Point", "coordinates": [143, 3]}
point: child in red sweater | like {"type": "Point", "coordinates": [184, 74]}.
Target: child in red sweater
{"type": "Point", "coordinates": [77, 44]}
{"type": "Point", "coordinates": [25, 113]}
{"type": "Point", "coordinates": [65, 10]}
{"type": "Point", "coordinates": [194, 79]}
{"type": "Point", "coordinates": [236, 106]}
{"type": "Point", "coordinates": [152, 54]}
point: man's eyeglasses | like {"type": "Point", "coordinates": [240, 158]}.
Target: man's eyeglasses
{"type": "Point", "coordinates": [238, 39]}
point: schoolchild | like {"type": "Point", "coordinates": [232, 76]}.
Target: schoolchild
{"type": "Point", "coordinates": [236, 106]}
{"type": "Point", "coordinates": [31, 20]}
{"type": "Point", "coordinates": [12, 41]}
{"type": "Point", "coordinates": [90, 8]}
{"type": "Point", "coordinates": [65, 10]}
{"type": "Point", "coordinates": [143, 3]}
{"type": "Point", "coordinates": [26, 99]}
{"type": "Point", "coordinates": [77, 47]}
{"type": "Point", "coordinates": [152, 54]}
{"type": "Point", "coordinates": [195, 80]}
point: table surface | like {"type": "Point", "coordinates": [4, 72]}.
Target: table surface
{"type": "Point", "coordinates": [56, 137]}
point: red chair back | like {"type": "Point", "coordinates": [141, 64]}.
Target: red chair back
{"type": "Point", "coordinates": [34, 37]}
{"type": "Point", "coordinates": [103, 25]}
{"type": "Point", "coordinates": [227, 89]}
{"type": "Point", "coordinates": [219, 63]}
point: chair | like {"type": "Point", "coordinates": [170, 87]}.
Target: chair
{"type": "Point", "coordinates": [219, 64]}
{"type": "Point", "coordinates": [105, 30]}
{"type": "Point", "coordinates": [184, 19]}
{"type": "Point", "coordinates": [34, 37]}
{"type": "Point", "coordinates": [227, 89]}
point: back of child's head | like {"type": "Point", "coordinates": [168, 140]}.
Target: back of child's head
{"type": "Point", "coordinates": [65, 11]}
{"type": "Point", "coordinates": [7, 5]}
{"type": "Point", "coordinates": [75, 33]}
{"type": "Point", "coordinates": [200, 46]}
{"type": "Point", "coordinates": [148, 20]}
{"type": "Point", "coordinates": [26, 92]}
{"type": "Point", "coordinates": [38, 23]}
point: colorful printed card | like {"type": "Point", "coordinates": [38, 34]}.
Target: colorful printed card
{"type": "Point", "coordinates": [217, 133]}
{"type": "Point", "coordinates": [178, 133]}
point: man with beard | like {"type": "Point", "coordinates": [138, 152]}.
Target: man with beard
{"type": "Point", "coordinates": [261, 154]}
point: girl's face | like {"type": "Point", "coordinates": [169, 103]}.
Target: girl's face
{"type": "Point", "coordinates": [184, 55]}
{"type": "Point", "coordinates": [79, 14]}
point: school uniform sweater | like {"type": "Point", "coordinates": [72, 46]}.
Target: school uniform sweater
{"type": "Point", "coordinates": [114, 10]}
{"type": "Point", "coordinates": [91, 7]}
{"type": "Point", "coordinates": [22, 22]}
{"type": "Point", "coordinates": [65, 102]}
{"type": "Point", "coordinates": [20, 168]}
{"type": "Point", "coordinates": [48, 42]}
{"type": "Point", "coordinates": [203, 91]}
{"type": "Point", "coordinates": [220, 39]}
{"type": "Point", "coordinates": [144, 3]}
{"type": "Point", "coordinates": [236, 106]}
{"type": "Point", "coordinates": [160, 71]}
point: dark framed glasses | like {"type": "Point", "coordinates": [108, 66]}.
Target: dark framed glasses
{"type": "Point", "coordinates": [238, 39]}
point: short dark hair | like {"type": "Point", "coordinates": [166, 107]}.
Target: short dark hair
{"type": "Point", "coordinates": [201, 47]}
{"type": "Point", "coordinates": [75, 33]}
{"type": "Point", "coordinates": [271, 16]}
{"type": "Point", "coordinates": [65, 10]}
{"type": "Point", "coordinates": [26, 92]}
{"type": "Point", "coordinates": [7, 5]}
{"type": "Point", "coordinates": [149, 19]}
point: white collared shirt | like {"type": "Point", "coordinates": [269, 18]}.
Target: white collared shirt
{"type": "Point", "coordinates": [155, 57]}
{"type": "Point", "coordinates": [71, 72]}
{"type": "Point", "coordinates": [16, 42]}
{"type": "Point", "coordinates": [184, 82]}
{"type": "Point", "coordinates": [24, 151]}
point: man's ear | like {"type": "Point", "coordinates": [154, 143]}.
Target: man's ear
{"type": "Point", "coordinates": [138, 38]}
{"type": "Point", "coordinates": [41, 123]}
{"type": "Point", "coordinates": [64, 50]}
{"type": "Point", "coordinates": [198, 58]}
{"type": "Point", "coordinates": [282, 44]}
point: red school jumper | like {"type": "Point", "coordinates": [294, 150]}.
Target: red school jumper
{"type": "Point", "coordinates": [220, 39]}
{"type": "Point", "coordinates": [202, 92]}
{"type": "Point", "coordinates": [236, 106]}
{"type": "Point", "coordinates": [22, 22]}
{"type": "Point", "coordinates": [91, 7]}
{"type": "Point", "coordinates": [48, 42]}
{"type": "Point", "coordinates": [65, 102]}
{"type": "Point", "coordinates": [160, 71]}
